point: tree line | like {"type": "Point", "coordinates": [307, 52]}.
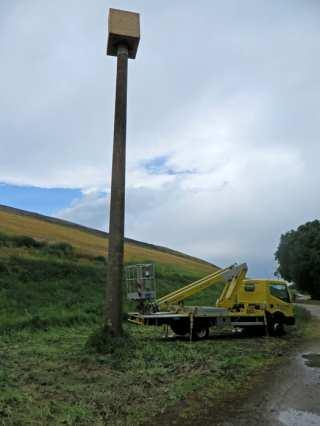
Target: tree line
{"type": "Point", "coordinates": [298, 257]}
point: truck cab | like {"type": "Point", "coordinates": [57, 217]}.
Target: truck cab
{"type": "Point", "coordinates": [269, 297]}
{"type": "Point", "coordinates": [273, 294]}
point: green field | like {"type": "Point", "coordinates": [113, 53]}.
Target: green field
{"type": "Point", "coordinates": [51, 301]}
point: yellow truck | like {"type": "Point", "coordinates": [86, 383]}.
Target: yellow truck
{"type": "Point", "coordinates": [244, 304]}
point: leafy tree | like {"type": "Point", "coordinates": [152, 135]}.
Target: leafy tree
{"type": "Point", "coordinates": [298, 256]}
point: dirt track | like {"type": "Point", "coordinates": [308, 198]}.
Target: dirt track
{"type": "Point", "coordinates": [292, 399]}
{"type": "Point", "coordinates": [288, 395]}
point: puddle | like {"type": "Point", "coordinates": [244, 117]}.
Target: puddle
{"type": "Point", "coordinates": [293, 417]}
{"type": "Point", "coordinates": [312, 360]}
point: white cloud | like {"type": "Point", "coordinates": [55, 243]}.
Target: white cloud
{"type": "Point", "coordinates": [232, 209]}
{"type": "Point", "coordinates": [91, 210]}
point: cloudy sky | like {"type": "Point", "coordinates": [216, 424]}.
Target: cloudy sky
{"type": "Point", "coordinates": [223, 120]}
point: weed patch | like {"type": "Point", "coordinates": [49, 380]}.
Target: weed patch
{"type": "Point", "coordinates": [102, 342]}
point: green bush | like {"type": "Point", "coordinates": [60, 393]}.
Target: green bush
{"type": "Point", "coordinates": [100, 259]}
{"type": "Point", "coordinates": [102, 342]}
{"type": "Point", "coordinates": [298, 256]}
{"type": "Point", "coordinates": [60, 249]}
{"type": "Point", "coordinates": [25, 241]}
{"type": "Point", "coordinates": [4, 240]}
{"type": "Point", "coordinates": [20, 241]}
{"type": "Point", "coordinates": [3, 267]}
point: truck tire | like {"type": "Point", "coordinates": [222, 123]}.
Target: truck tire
{"type": "Point", "coordinates": [275, 324]}
{"type": "Point", "coordinates": [200, 332]}
{"type": "Point", "coordinates": [180, 327]}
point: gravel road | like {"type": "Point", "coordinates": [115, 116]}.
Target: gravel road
{"type": "Point", "coordinates": [292, 399]}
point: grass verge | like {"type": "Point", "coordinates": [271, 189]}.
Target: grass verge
{"type": "Point", "coordinates": [50, 377]}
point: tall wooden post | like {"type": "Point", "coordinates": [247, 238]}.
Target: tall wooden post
{"type": "Point", "coordinates": [123, 40]}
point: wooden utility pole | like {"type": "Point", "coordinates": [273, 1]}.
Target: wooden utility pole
{"type": "Point", "coordinates": [123, 41]}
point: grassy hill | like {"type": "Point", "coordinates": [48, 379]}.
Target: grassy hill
{"type": "Point", "coordinates": [53, 272]}
{"type": "Point", "coordinates": [47, 284]}
{"type": "Point", "coordinates": [52, 285]}
{"type": "Point", "coordinates": [93, 242]}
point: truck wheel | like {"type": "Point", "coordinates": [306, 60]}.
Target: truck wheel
{"type": "Point", "coordinates": [180, 327]}
{"type": "Point", "coordinates": [200, 332]}
{"type": "Point", "coordinates": [275, 325]}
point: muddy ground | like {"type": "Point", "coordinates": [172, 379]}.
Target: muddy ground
{"type": "Point", "coordinates": [288, 395]}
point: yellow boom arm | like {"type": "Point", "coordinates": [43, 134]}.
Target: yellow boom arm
{"type": "Point", "coordinates": [227, 275]}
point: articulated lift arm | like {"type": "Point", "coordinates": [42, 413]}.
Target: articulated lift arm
{"type": "Point", "coordinates": [228, 275]}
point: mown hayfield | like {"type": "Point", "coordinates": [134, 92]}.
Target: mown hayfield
{"type": "Point", "coordinates": [93, 243]}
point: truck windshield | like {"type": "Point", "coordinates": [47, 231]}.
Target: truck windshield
{"type": "Point", "coordinates": [280, 291]}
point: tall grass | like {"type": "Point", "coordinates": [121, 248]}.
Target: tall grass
{"type": "Point", "coordinates": [51, 284]}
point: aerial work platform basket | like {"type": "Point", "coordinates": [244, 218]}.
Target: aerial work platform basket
{"type": "Point", "coordinates": [140, 281]}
